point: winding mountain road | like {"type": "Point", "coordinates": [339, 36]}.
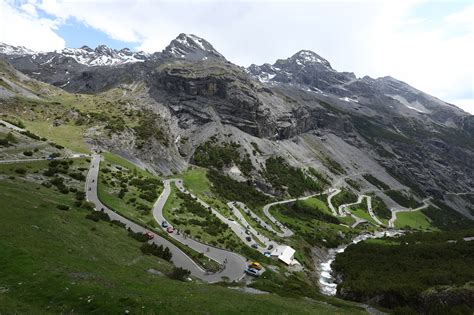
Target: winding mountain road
{"type": "Point", "coordinates": [234, 264]}
{"type": "Point", "coordinates": [391, 222]}
{"type": "Point", "coordinates": [234, 268]}
{"type": "Point", "coordinates": [330, 196]}
{"type": "Point", "coordinates": [243, 231]}
{"type": "Point", "coordinates": [343, 209]}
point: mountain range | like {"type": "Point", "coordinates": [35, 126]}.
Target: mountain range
{"type": "Point", "coordinates": [298, 108]}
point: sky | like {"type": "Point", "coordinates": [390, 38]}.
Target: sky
{"type": "Point", "coordinates": [427, 44]}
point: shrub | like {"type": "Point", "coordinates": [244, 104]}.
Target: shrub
{"type": "Point", "coordinates": [80, 195]}
{"type": "Point", "coordinates": [155, 250]}
{"type": "Point", "coordinates": [88, 205]}
{"type": "Point", "coordinates": [30, 135]}
{"type": "Point", "coordinates": [403, 199]}
{"type": "Point", "coordinates": [333, 166]}
{"type": "Point", "coordinates": [77, 176]}
{"type": "Point", "coordinates": [20, 171]}
{"type": "Point", "coordinates": [118, 223]}
{"type": "Point", "coordinates": [17, 123]}
{"type": "Point", "coordinates": [97, 216]}
{"type": "Point", "coordinates": [28, 153]}
{"type": "Point", "coordinates": [231, 189]}
{"type": "Point", "coordinates": [179, 273]}
{"type": "Point", "coordinates": [285, 177]}
{"type": "Point", "coordinates": [63, 207]}
{"type": "Point", "coordinates": [375, 181]}
{"type": "Point", "coordinates": [138, 236]}
{"type": "Point", "coordinates": [8, 140]}
{"type": "Point", "coordinates": [217, 156]}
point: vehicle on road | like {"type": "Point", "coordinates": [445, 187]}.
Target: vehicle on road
{"type": "Point", "coordinates": [149, 235]}
{"type": "Point", "coordinates": [90, 188]}
{"type": "Point", "coordinates": [270, 247]}
{"type": "Point", "coordinates": [170, 229]}
{"type": "Point", "coordinates": [267, 254]}
{"type": "Point", "coordinates": [252, 272]}
{"type": "Point", "coordinates": [255, 265]}
{"type": "Point", "coordinates": [248, 238]}
{"type": "Point", "coordinates": [164, 224]}
{"type": "Point", "coordinates": [254, 245]}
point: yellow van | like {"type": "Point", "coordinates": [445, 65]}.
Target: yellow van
{"type": "Point", "coordinates": [255, 265]}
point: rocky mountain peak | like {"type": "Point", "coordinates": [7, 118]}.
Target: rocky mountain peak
{"type": "Point", "coordinates": [105, 50]}
{"type": "Point", "coordinates": [308, 57]}
{"type": "Point", "coordinates": [191, 47]}
{"type": "Point", "coordinates": [87, 48]}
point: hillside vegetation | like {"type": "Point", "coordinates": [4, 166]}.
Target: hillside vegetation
{"type": "Point", "coordinates": [429, 272]}
{"type": "Point", "coordinates": [54, 260]}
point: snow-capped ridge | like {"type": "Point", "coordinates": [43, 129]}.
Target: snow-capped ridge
{"type": "Point", "coordinates": [102, 55]}
{"type": "Point", "coordinates": [15, 50]}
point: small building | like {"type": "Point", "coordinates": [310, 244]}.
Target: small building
{"type": "Point", "coordinates": [284, 253]}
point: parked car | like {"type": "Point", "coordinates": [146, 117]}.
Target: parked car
{"type": "Point", "coordinates": [164, 224]}
{"type": "Point", "coordinates": [248, 238]}
{"type": "Point", "coordinates": [149, 235]}
{"type": "Point", "coordinates": [252, 272]}
{"type": "Point", "coordinates": [255, 265]}
{"type": "Point", "coordinates": [267, 254]}
{"type": "Point", "coordinates": [254, 245]}
{"type": "Point", "coordinates": [170, 229]}
{"type": "Point", "coordinates": [270, 247]}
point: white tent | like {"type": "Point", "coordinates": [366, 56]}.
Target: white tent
{"type": "Point", "coordinates": [284, 253]}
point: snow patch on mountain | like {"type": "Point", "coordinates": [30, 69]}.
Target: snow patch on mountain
{"type": "Point", "coordinates": [416, 106]}
{"type": "Point", "coordinates": [308, 57]}
{"type": "Point", "coordinates": [101, 56]}
{"type": "Point", "coordinates": [348, 99]}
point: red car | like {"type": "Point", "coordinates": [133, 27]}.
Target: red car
{"type": "Point", "coordinates": [149, 235]}
{"type": "Point", "coordinates": [170, 229]}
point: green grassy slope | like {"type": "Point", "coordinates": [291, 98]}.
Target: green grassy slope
{"type": "Point", "coordinates": [55, 261]}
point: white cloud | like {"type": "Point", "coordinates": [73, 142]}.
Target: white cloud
{"type": "Point", "coordinates": [24, 28]}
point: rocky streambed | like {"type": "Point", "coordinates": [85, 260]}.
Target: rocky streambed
{"type": "Point", "coordinates": [327, 281]}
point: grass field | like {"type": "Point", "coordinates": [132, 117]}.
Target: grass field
{"type": "Point", "coordinates": [415, 220]}
{"type": "Point", "coordinates": [363, 214]}
{"type": "Point", "coordinates": [118, 160]}
{"type": "Point", "coordinates": [55, 261]}
{"type": "Point", "coordinates": [196, 181]}
{"type": "Point", "coordinates": [67, 135]}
